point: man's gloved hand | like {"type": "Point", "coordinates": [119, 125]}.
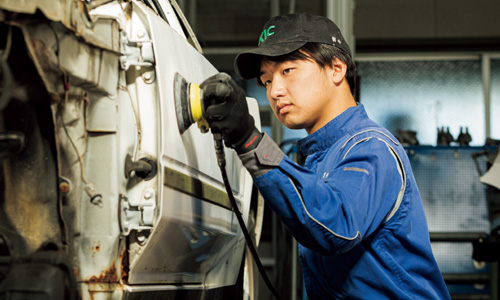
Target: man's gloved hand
{"type": "Point", "coordinates": [226, 111]}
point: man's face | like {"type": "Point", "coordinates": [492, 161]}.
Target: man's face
{"type": "Point", "coordinates": [299, 92]}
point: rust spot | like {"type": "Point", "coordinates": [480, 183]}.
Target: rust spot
{"type": "Point", "coordinates": [96, 248]}
{"type": "Point", "coordinates": [124, 266]}
{"type": "Point", "coordinates": [109, 275]}
{"type": "Point", "coordinates": [128, 12]}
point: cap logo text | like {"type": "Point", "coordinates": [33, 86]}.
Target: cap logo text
{"type": "Point", "coordinates": [266, 33]}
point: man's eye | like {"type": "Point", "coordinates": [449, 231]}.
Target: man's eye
{"type": "Point", "coordinates": [287, 71]}
{"type": "Point", "coordinates": [267, 82]}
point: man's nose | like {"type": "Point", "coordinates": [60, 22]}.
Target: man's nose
{"type": "Point", "coordinates": [277, 89]}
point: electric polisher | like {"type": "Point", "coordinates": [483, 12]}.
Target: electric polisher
{"type": "Point", "coordinates": [189, 105]}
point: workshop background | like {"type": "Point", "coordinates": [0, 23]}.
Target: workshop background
{"type": "Point", "coordinates": [429, 71]}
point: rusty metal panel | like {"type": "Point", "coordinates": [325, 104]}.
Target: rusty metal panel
{"type": "Point", "coordinates": [57, 54]}
{"type": "Point", "coordinates": [104, 80]}
{"type": "Point", "coordinates": [73, 15]}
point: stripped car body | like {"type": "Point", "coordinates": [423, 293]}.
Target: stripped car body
{"type": "Point", "coordinates": [100, 191]}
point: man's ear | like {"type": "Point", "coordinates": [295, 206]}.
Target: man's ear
{"type": "Point", "coordinates": [339, 69]}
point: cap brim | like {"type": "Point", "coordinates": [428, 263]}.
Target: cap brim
{"type": "Point", "coordinates": [247, 64]}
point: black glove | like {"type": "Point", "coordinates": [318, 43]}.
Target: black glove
{"type": "Point", "coordinates": [226, 111]}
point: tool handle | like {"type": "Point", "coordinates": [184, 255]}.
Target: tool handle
{"type": "Point", "coordinates": [219, 150]}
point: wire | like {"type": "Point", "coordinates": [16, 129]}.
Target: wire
{"type": "Point", "coordinates": [66, 86]}
{"type": "Point", "coordinates": [138, 133]}
{"type": "Point", "coordinates": [5, 72]}
{"type": "Point", "coordinates": [8, 44]}
{"type": "Point", "coordinates": [70, 139]}
{"type": "Point", "coordinates": [8, 80]}
{"type": "Point", "coordinates": [221, 160]}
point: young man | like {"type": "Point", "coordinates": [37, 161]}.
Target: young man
{"type": "Point", "coordinates": [354, 208]}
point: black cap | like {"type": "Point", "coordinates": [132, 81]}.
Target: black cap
{"type": "Point", "coordinates": [284, 34]}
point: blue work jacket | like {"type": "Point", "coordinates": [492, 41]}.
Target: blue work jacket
{"type": "Point", "coordinates": [355, 210]}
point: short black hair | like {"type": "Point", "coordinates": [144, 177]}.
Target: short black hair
{"type": "Point", "coordinates": [323, 55]}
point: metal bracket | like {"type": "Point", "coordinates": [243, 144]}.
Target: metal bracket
{"type": "Point", "coordinates": [137, 214]}
{"type": "Point", "coordinates": [136, 53]}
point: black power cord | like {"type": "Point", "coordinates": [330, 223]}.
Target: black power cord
{"type": "Point", "coordinates": [221, 160]}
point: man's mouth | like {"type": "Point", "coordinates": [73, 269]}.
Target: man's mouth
{"type": "Point", "coordinates": [283, 108]}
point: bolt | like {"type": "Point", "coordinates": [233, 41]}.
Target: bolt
{"type": "Point", "coordinates": [64, 187]}
{"type": "Point", "coordinates": [148, 76]}
{"type": "Point", "coordinates": [148, 194]}
{"type": "Point", "coordinates": [97, 200]}
{"type": "Point", "coordinates": [140, 33]}
{"type": "Point", "coordinates": [141, 239]}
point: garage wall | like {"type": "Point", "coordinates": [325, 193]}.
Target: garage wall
{"type": "Point", "coordinates": [390, 19]}
{"type": "Point", "coordinates": [237, 23]}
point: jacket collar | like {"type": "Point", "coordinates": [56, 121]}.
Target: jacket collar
{"type": "Point", "coordinates": [329, 134]}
